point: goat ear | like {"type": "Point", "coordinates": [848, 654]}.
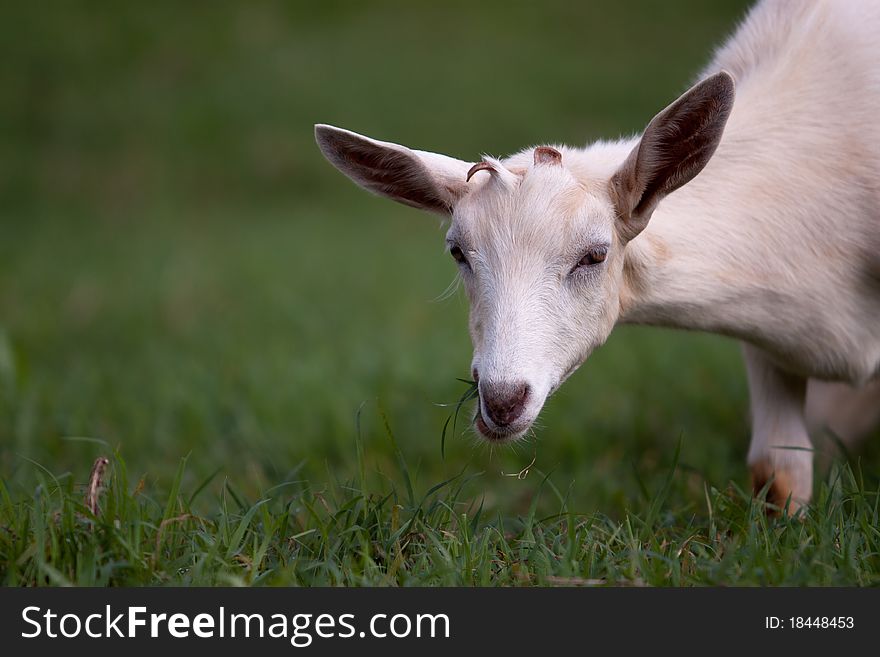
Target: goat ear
{"type": "Point", "coordinates": [422, 180]}
{"type": "Point", "coordinates": [674, 148]}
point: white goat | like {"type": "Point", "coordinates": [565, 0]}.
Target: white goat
{"type": "Point", "coordinates": [776, 242]}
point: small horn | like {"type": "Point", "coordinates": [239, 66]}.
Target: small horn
{"type": "Point", "coordinates": [479, 166]}
{"type": "Point", "coordinates": [547, 155]}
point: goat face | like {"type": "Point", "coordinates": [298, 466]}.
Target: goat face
{"type": "Point", "coordinates": [541, 263]}
{"type": "Point", "coordinates": [538, 253]}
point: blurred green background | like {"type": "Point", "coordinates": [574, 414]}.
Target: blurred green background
{"type": "Point", "coordinates": [181, 271]}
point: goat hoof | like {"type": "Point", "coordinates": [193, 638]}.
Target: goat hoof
{"type": "Point", "coordinates": [786, 491]}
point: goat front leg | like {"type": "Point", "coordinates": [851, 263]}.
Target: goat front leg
{"type": "Point", "coordinates": [780, 452]}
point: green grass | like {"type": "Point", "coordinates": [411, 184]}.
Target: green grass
{"type": "Point", "coordinates": [183, 277]}
{"type": "Point", "coordinates": [380, 531]}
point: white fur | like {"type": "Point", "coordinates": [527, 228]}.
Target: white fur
{"type": "Point", "coordinates": [776, 242]}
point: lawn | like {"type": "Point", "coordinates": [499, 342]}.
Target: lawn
{"type": "Point", "coordinates": [263, 353]}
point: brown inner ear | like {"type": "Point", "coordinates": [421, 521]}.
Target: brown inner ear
{"type": "Point", "coordinates": [683, 144]}
{"type": "Point", "coordinates": [397, 175]}
{"type": "Point", "coordinates": [675, 147]}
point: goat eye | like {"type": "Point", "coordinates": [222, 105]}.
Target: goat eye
{"type": "Point", "coordinates": [457, 254]}
{"type": "Point", "coordinates": [593, 257]}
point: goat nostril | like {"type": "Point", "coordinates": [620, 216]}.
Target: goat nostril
{"type": "Point", "coordinates": [476, 375]}
{"type": "Point", "coordinates": [505, 402]}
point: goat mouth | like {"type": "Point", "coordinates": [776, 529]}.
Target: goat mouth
{"type": "Point", "coordinates": [494, 436]}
